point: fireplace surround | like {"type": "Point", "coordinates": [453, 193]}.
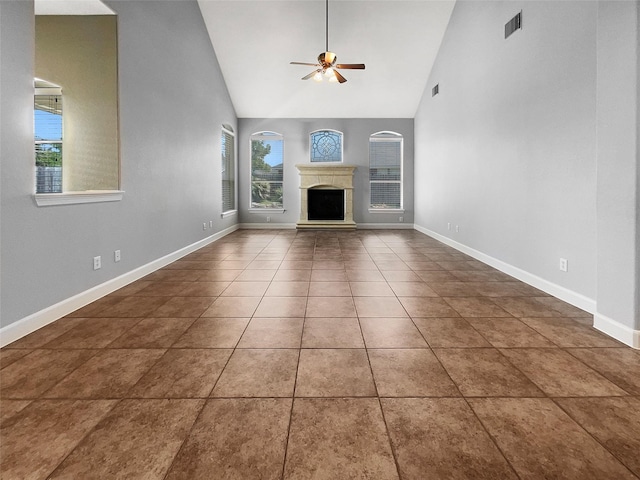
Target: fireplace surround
{"type": "Point", "coordinates": [326, 177]}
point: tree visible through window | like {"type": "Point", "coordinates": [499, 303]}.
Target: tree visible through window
{"type": "Point", "coordinates": [267, 161]}
{"type": "Point", "coordinates": [385, 170]}
{"type": "Point", "coordinates": [228, 169]}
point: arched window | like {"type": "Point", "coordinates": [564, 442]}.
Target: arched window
{"type": "Point", "coordinates": [267, 167]}
{"type": "Point", "coordinates": [385, 171]}
{"type": "Point", "coordinates": [326, 146]}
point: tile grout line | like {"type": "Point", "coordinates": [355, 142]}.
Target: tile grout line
{"type": "Point", "coordinates": [293, 394]}
{"type": "Point", "coordinates": [84, 437]}
{"type": "Point", "coordinates": [595, 439]}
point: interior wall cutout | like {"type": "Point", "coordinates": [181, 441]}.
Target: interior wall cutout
{"type": "Point", "coordinates": [80, 54]}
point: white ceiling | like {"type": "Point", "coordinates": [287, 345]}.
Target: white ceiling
{"type": "Point", "coordinates": [255, 40]}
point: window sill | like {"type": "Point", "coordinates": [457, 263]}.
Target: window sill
{"type": "Point", "coordinates": [386, 210]}
{"type": "Point", "coordinates": [72, 198]}
{"type": "Point", "coordinates": [266, 210]}
{"type": "Point", "coordinates": [228, 214]}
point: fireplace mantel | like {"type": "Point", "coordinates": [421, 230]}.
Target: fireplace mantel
{"type": "Point", "coordinates": [328, 176]}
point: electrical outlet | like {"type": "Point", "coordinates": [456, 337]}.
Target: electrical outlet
{"type": "Point", "coordinates": [116, 256]}
{"type": "Point", "coordinates": [564, 265]}
{"type": "Point", "coordinates": [268, 219]}
{"type": "Point", "coordinates": [97, 262]}
{"type": "Point", "coordinates": [211, 224]}
{"type": "Point", "coordinates": [448, 225]}
{"type": "Point", "coordinates": [457, 228]}
{"type": "Point", "coordinates": [401, 219]}
{"type": "Point", "coordinates": [204, 226]}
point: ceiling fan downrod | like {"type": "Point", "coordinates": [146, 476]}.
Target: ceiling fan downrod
{"type": "Point", "coordinates": [327, 60]}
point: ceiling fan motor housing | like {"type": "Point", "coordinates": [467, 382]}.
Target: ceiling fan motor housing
{"type": "Point", "coordinates": [327, 59]}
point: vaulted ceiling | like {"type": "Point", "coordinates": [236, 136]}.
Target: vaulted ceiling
{"type": "Point", "coordinates": [255, 40]}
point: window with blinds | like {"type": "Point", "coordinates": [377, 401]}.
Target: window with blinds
{"type": "Point", "coordinates": [228, 169]}
{"type": "Point", "coordinates": [385, 171]}
{"type": "Point", "coordinates": [267, 162]}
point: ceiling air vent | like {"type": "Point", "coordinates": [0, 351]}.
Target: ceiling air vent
{"type": "Point", "coordinates": [435, 90]}
{"type": "Point", "coordinates": [512, 25]}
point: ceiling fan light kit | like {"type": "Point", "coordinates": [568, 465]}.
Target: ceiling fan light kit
{"type": "Point", "coordinates": [327, 66]}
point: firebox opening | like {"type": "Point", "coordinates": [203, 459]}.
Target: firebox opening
{"type": "Point", "coordinates": [325, 204]}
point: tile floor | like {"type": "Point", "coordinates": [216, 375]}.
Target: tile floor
{"type": "Point", "coordinates": [325, 355]}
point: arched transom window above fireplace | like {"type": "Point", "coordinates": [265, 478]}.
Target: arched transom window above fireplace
{"type": "Point", "coordinates": [326, 146]}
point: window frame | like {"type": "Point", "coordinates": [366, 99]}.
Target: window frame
{"type": "Point", "coordinates": [43, 88]}
{"type": "Point", "coordinates": [228, 130]}
{"type": "Point", "coordinates": [387, 136]}
{"type": "Point", "coordinates": [341, 136]}
{"type": "Point", "coordinates": [268, 135]}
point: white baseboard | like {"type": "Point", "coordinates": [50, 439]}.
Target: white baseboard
{"type": "Point", "coordinates": [359, 226]}
{"type": "Point", "coordinates": [385, 226]}
{"type": "Point", "coordinates": [564, 294]}
{"type": "Point", "coordinates": [617, 330]}
{"type": "Point", "coordinates": [267, 226]}
{"type": "Point", "coordinates": [33, 322]}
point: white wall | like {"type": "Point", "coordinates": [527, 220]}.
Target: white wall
{"type": "Point", "coordinates": [618, 190]}
{"type": "Point", "coordinates": [507, 149]}
{"type": "Point", "coordinates": [296, 150]}
{"type": "Point", "coordinates": [531, 148]}
{"type": "Point", "coordinates": [173, 101]}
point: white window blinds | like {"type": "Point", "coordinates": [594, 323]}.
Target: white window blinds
{"type": "Point", "coordinates": [228, 170]}
{"type": "Point", "coordinates": [385, 171]}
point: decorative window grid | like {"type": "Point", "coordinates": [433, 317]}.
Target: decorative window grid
{"type": "Point", "coordinates": [326, 146]}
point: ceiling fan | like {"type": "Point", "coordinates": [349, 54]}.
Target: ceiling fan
{"type": "Point", "coordinates": [327, 65]}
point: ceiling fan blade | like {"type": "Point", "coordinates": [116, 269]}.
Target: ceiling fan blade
{"type": "Point", "coordinates": [340, 78]}
{"type": "Point", "coordinates": [303, 63]}
{"type": "Point", "coordinates": [307, 77]}
{"type": "Point", "coordinates": [351, 66]}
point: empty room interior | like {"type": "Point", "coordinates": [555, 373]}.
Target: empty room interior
{"type": "Point", "coordinates": [320, 239]}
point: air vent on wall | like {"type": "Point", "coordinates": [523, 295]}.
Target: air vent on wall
{"type": "Point", "coordinates": [512, 25]}
{"type": "Point", "coordinates": [435, 90]}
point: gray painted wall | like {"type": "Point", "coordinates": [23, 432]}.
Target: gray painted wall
{"type": "Point", "coordinates": [507, 150]}
{"type": "Point", "coordinates": [296, 150]}
{"type": "Point", "coordinates": [173, 101]}
{"type": "Point", "coordinates": [618, 260]}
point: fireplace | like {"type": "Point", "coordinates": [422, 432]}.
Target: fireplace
{"type": "Point", "coordinates": [325, 204]}
{"type": "Point", "coordinates": [326, 196]}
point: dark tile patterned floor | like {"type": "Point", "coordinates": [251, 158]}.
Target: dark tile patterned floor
{"type": "Point", "coordinates": [325, 355]}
